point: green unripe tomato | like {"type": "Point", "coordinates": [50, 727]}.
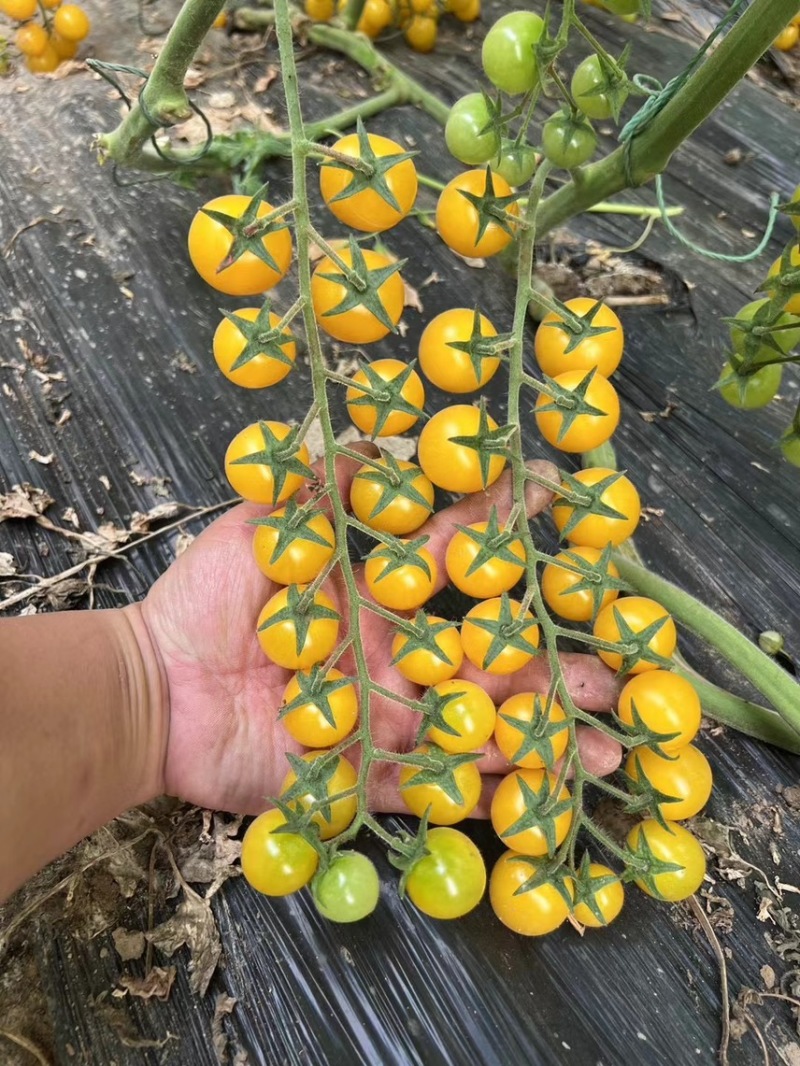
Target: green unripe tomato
{"type": "Point", "coordinates": [462, 133]}
{"type": "Point", "coordinates": [751, 391]}
{"type": "Point", "coordinates": [589, 77]}
{"type": "Point", "coordinates": [568, 142]}
{"type": "Point", "coordinates": [348, 890]}
{"type": "Point", "coordinates": [790, 446]}
{"type": "Point", "coordinates": [507, 54]}
{"type": "Point", "coordinates": [515, 162]}
{"type": "Point", "coordinates": [624, 8]}
{"type": "Point", "coordinates": [786, 339]}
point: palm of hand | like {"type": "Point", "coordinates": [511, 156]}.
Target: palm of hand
{"type": "Point", "coordinates": [226, 747]}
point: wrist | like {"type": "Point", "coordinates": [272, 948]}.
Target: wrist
{"type": "Point", "coordinates": [145, 692]}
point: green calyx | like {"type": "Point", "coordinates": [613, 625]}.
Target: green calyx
{"type": "Point", "coordinates": [407, 850]}
{"type": "Point", "coordinates": [395, 483]}
{"type": "Point", "coordinates": [592, 503]}
{"type": "Point", "coordinates": [507, 631]}
{"type": "Point", "coordinates": [542, 808]}
{"type": "Point", "coordinates": [479, 346]}
{"type": "Point", "coordinates": [536, 736]}
{"type": "Point", "coordinates": [497, 121]}
{"type": "Point", "coordinates": [369, 170]}
{"type": "Point", "coordinates": [570, 403]}
{"type": "Point", "coordinates": [261, 338]}
{"type": "Point", "coordinates": [442, 774]}
{"type": "Point", "coordinates": [587, 886]}
{"type": "Point", "coordinates": [487, 442]}
{"type": "Point", "coordinates": [762, 331]}
{"type": "Point", "coordinates": [362, 286]}
{"type": "Point", "coordinates": [635, 646]}
{"type": "Point", "coordinates": [248, 231]}
{"type": "Point", "coordinates": [595, 577]}
{"type": "Point", "coordinates": [541, 873]}
{"type": "Point", "coordinates": [491, 208]}
{"type": "Point", "coordinates": [421, 635]}
{"type": "Point", "coordinates": [316, 688]}
{"type": "Point", "coordinates": [578, 328]}
{"type": "Point", "coordinates": [614, 83]}
{"type": "Point", "coordinates": [640, 734]}
{"type": "Point", "coordinates": [279, 454]}
{"type": "Point", "coordinates": [433, 705]}
{"type": "Point", "coordinates": [644, 795]}
{"type": "Point", "coordinates": [494, 542]}
{"type": "Point", "coordinates": [292, 525]}
{"type": "Point", "coordinates": [642, 865]}
{"type": "Point", "coordinates": [399, 553]}
{"type": "Point", "coordinates": [301, 610]}
{"type": "Point", "coordinates": [385, 396]}
{"type": "Point", "coordinates": [312, 781]}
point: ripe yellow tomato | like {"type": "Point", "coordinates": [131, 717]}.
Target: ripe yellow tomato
{"type": "Point", "coordinates": [637, 615]}
{"type": "Point", "coordinates": [585, 430]}
{"type": "Point", "coordinates": [483, 567]}
{"type": "Point", "coordinates": [257, 468]}
{"type": "Point", "coordinates": [437, 659]}
{"type": "Point", "coordinates": [606, 899]}
{"type": "Point", "coordinates": [449, 798]}
{"type": "Point", "coordinates": [373, 206]}
{"type": "Point", "coordinates": [601, 352]}
{"type": "Point", "coordinates": [468, 710]}
{"type": "Point", "coordinates": [610, 514]}
{"type": "Point", "coordinates": [453, 466]}
{"type": "Point", "coordinates": [19, 10]}
{"type": "Point", "coordinates": [276, 864]}
{"type": "Point", "coordinates": [323, 713]}
{"type": "Point", "coordinates": [320, 10]}
{"type": "Point", "coordinates": [787, 38]}
{"type": "Point", "coordinates": [654, 844]}
{"type": "Point", "coordinates": [292, 546]}
{"type": "Point", "coordinates": [342, 308]}
{"type": "Point", "coordinates": [666, 703]}
{"type": "Point", "coordinates": [394, 402]}
{"type": "Point", "coordinates": [458, 220]}
{"type": "Point", "coordinates": [71, 22]}
{"type": "Point", "coordinates": [45, 63]}
{"type": "Point", "coordinates": [518, 815]}
{"type": "Point", "coordinates": [449, 367]}
{"type": "Point", "coordinates": [339, 776]}
{"type": "Point", "coordinates": [497, 637]}
{"type": "Point", "coordinates": [283, 641]}
{"type": "Point", "coordinates": [211, 243]}
{"type": "Point", "coordinates": [572, 594]}
{"type": "Point", "coordinates": [531, 732]}
{"type": "Point", "coordinates": [64, 49]}
{"type": "Point", "coordinates": [684, 775]}
{"type": "Point", "coordinates": [421, 32]}
{"type": "Point", "coordinates": [400, 585]}
{"type": "Point", "coordinates": [31, 39]}
{"type": "Point", "coordinates": [249, 357]}
{"type": "Point", "coordinates": [536, 912]}
{"type": "Point", "coordinates": [396, 498]}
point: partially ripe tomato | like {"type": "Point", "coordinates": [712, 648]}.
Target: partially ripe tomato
{"type": "Point", "coordinates": [338, 776]}
{"type": "Point", "coordinates": [276, 864]}
{"type": "Point", "coordinates": [449, 881]}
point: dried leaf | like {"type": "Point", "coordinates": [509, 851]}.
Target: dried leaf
{"type": "Point", "coordinates": [182, 542]}
{"type": "Point", "coordinates": [155, 985]}
{"type": "Point", "coordinates": [141, 523]}
{"type": "Point", "coordinates": [24, 501]}
{"type": "Point", "coordinates": [219, 1039]}
{"type": "Point", "coordinates": [127, 871]}
{"type": "Point", "coordinates": [264, 82]}
{"type": "Point", "coordinates": [129, 943]}
{"type": "Point", "coordinates": [44, 460]}
{"type": "Point", "coordinates": [411, 297]}
{"type": "Point", "coordinates": [768, 977]}
{"type": "Point", "coordinates": [192, 924]}
{"type": "Point", "coordinates": [213, 859]}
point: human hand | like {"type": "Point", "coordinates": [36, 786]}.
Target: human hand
{"type": "Point", "coordinates": [226, 748]}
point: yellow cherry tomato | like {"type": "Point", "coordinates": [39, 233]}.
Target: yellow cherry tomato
{"type": "Point", "coordinates": [536, 912]}
{"type": "Point", "coordinates": [339, 776]}
{"type": "Point", "coordinates": [481, 568]}
{"type": "Point", "coordinates": [606, 899]}
{"type": "Point", "coordinates": [448, 799]}
{"type": "Point", "coordinates": [428, 665]}
{"type": "Point", "coordinates": [396, 498]}
{"type": "Point", "coordinates": [31, 39]}
{"type": "Point", "coordinates": [309, 721]}
{"type": "Point", "coordinates": [421, 32]}
{"type": "Point", "coordinates": [366, 209]}
{"type": "Point", "coordinates": [652, 844]}
{"type": "Point", "coordinates": [601, 351]}
{"type": "Point", "coordinates": [637, 614]}
{"type": "Point", "coordinates": [64, 49]}
{"type": "Point", "coordinates": [319, 10]}
{"type": "Point", "coordinates": [458, 221]}
{"type": "Point", "coordinates": [449, 367]}
{"type": "Point", "coordinates": [19, 10]}
{"type": "Point", "coordinates": [518, 817]}
{"type": "Point", "coordinates": [291, 547]}
{"type": "Point", "coordinates": [331, 288]}
{"type": "Point", "coordinates": [258, 470]}
{"type": "Point", "coordinates": [572, 594]}
{"type": "Point", "coordinates": [45, 63]}
{"type": "Point", "coordinates": [792, 305]}
{"type": "Point", "coordinates": [468, 710]}
{"type": "Point", "coordinates": [585, 430]}
{"type": "Point", "coordinates": [530, 731]}
{"type": "Point", "coordinates": [497, 637]}
{"type": "Point", "coordinates": [276, 864]}
{"type": "Point", "coordinates": [787, 38]}
{"type": "Point", "coordinates": [283, 642]}
{"type": "Point", "coordinates": [685, 775]}
{"type": "Point", "coordinates": [71, 22]}
{"type": "Point", "coordinates": [396, 397]}
{"type": "Point", "coordinates": [258, 366]}
{"type": "Point", "coordinates": [403, 587]}
{"type": "Point", "coordinates": [610, 514]}
{"type": "Point", "coordinates": [450, 879]}
{"type": "Point", "coordinates": [451, 465]}
{"type": "Point", "coordinates": [666, 703]}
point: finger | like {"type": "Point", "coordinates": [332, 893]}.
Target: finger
{"type": "Point", "coordinates": [476, 507]}
{"type": "Point", "coordinates": [346, 469]}
{"type": "Point", "coordinates": [589, 682]}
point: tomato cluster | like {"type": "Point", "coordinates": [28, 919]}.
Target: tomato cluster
{"type": "Point", "coordinates": [243, 246]}
{"type": "Point", "coordinates": [418, 19]}
{"type": "Point", "coordinates": [48, 43]}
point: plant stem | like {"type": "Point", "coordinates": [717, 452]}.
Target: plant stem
{"type": "Point", "coordinates": [768, 677]}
